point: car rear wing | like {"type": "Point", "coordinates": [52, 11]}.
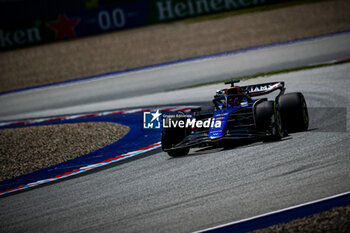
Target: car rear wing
{"type": "Point", "coordinates": [263, 89]}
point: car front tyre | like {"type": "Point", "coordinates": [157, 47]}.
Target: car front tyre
{"type": "Point", "coordinates": [268, 119]}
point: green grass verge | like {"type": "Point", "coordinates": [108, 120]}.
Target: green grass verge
{"type": "Point", "coordinates": [273, 6]}
{"type": "Point", "coordinates": [258, 75]}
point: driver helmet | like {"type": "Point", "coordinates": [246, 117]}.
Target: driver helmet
{"type": "Point", "coordinates": [233, 100]}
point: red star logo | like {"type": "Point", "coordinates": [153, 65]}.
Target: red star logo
{"type": "Point", "coordinates": [64, 27]}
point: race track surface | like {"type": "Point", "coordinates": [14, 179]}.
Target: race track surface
{"type": "Point", "coordinates": [210, 186]}
{"type": "Point", "coordinates": [134, 89]}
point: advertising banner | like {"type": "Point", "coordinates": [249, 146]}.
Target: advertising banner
{"type": "Point", "coordinates": [166, 10]}
{"type": "Point", "coordinates": [30, 22]}
{"type": "Point", "coordinates": [73, 24]}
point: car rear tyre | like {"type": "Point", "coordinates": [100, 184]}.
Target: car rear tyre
{"type": "Point", "coordinates": [294, 112]}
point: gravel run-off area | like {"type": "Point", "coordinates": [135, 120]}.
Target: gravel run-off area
{"type": "Point", "coordinates": [24, 150]}
{"type": "Point", "coordinates": [336, 220]}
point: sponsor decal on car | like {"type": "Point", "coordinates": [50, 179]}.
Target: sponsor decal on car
{"type": "Point", "coordinates": [259, 88]}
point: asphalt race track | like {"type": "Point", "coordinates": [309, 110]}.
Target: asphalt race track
{"type": "Point", "coordinates": [134, 89]}
{"type": "Point", "coordinates": [209, 187]}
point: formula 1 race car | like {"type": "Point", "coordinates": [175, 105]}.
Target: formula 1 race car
{"type": "Point", "coordinates": [236, 115]}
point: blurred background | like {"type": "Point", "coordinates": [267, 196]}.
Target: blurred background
{"type": "Point", "coordinates": [52, 41]}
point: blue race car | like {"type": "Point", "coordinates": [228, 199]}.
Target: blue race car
{"type": "Point", "coordinates": [236, 115]}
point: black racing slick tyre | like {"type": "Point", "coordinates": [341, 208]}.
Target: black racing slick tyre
{"type": "Point", "coordinates": [172, 136]}
{"type": "Point", "coordinates": [268, 119]}
{"type": "Point", "coordinates": [294, 113]}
